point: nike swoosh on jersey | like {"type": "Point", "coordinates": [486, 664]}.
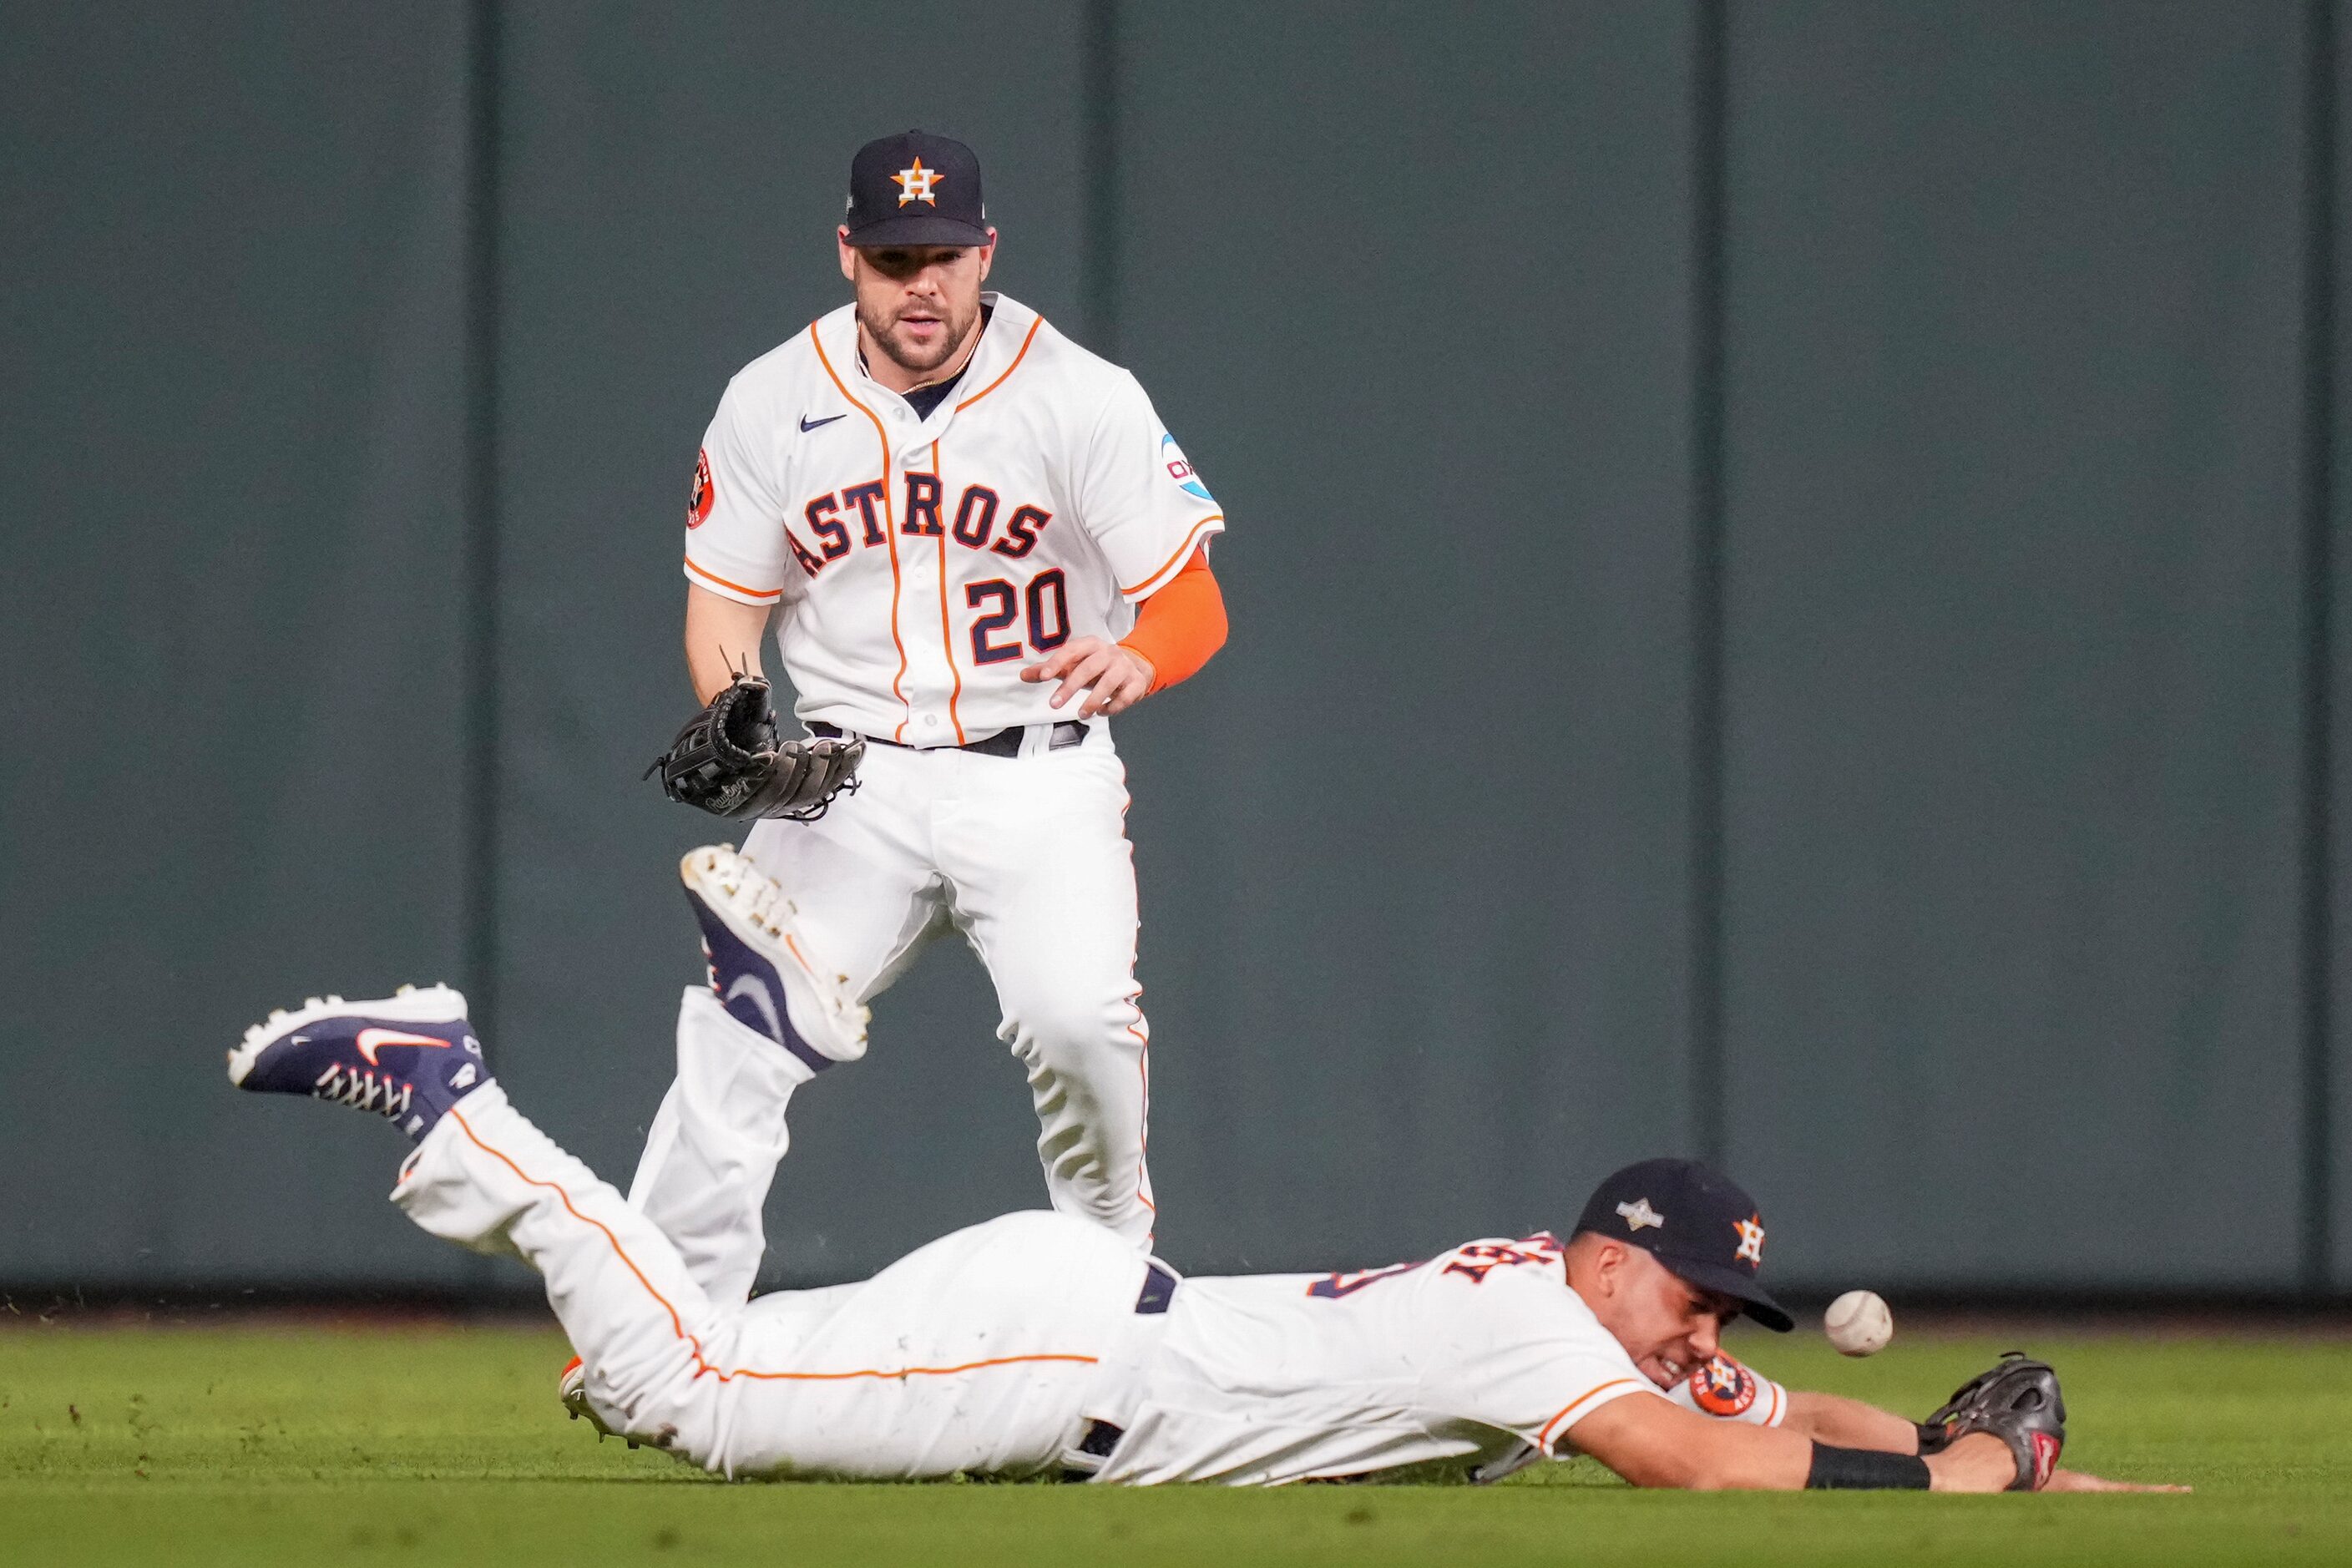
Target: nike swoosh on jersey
{"type": "Point", "coordinates": [808, 423]}
{"type": "Point", "coordinates": [372, 1040]}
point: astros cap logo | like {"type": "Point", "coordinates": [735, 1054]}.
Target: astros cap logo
{"type": "Point", "coordinates": [1751, 1239]}
{"type": "Point", "coordinates": [892, 175]}
{"type": "Point", "coordinates": [915, 185]}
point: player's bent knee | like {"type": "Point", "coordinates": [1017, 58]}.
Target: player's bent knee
{"type": "Point", "coordinates": [1073, 1034]}
{"type": "Point", "coordinates": [672, 1409]}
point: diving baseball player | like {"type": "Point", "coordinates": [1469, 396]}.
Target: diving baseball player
{"type": "Point", "coordinates": [976, 541]}
{"type": "Point", "coordinates": [1042, 1342]}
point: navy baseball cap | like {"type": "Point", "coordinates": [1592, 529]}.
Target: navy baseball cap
{"type": "Point", "coordinates": [1695, 1221]}
{"type": "Point", "coordinates": [915, 188]}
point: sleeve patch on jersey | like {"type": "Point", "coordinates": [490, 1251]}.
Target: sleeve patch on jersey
{"type": "Point", "coordinates": [697, 505]}
{"type": "Point", "coordinates": [1722, 1387]}
{"type": "Point", "coordinates": [1180, 470]}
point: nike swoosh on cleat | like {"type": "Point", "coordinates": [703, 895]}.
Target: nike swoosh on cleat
{"type": "Point", "coordinates": [372, 1040]}
{"type": "Point", "coordinates": [757, 989]}
{"type": "Point", "coordinates": [808, 423]}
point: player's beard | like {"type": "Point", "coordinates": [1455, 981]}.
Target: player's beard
{"type": "Point", "coordinates": [883, 331]}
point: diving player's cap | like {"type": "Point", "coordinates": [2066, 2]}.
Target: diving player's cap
{"type": "Point", "coordinates": [915, 188]}
{"type": "Point", "coordinates": [1695, 1221]}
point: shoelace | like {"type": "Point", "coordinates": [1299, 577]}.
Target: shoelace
{"type": "Point", "coordinates": [364, 1092]}
{"type": "Point", "coordinates": [760, 900]}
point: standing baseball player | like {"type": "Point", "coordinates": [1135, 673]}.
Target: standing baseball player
{"type": "Point", "coordinates": [1040, 1342]}
{"type": "Point", "coordinates": [976, 543]}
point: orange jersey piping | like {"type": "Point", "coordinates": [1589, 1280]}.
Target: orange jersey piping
{"type": "Point", "coordinates": [770, 595]}
{"type": "Point", "coordinates": [911, 1371]}
{"type": "Point", "coordinates": [946, 637]}
{"type": "Point", "coordinates": [1183, 552]}
{"type": "Point", "coordinates": [1022, 355]}
{"type": "Point", "coordinates": [1543, 1438]}
{"type": "Point", "coordinates": [1143, 1072]}
{"type": "Point", "coordinates": [678, 1324]}
{"type": "Point", "coordinates": [890, 526]}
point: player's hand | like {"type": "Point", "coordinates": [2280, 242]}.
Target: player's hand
{"type": "Point", "coordinates": [2081, 1481]}
{"type": "Point", "coordinates": [1114, 679]}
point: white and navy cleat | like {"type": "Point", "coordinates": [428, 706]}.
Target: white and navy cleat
{"type": "Point", "coordinates": [408, 1057]}
{"type": "Point", "coordinates": [762, 967]}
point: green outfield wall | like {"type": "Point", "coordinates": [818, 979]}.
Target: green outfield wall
{"type": "Point", "coordinates": [1784, 568]}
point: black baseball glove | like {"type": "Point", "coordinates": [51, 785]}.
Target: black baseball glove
{"type": "Point", "coordinates": [2017, 1401]}
{"type": "Point", "coordinates": [728, 760]}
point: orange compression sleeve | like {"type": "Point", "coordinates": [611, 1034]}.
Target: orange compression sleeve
{"type": "Point", "coordinates": [1179, 627]}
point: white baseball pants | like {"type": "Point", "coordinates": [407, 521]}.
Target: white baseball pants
{"type": "Point", "coordinates": [1028, 858]}
{"type": "Point", "coordinates": [987, 1351]}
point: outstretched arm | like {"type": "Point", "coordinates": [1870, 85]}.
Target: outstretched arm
{"type": "Point", "coordinates": [1849, 1424]}
{"type": "Point", "coordinates": [1727, 1389]}
{"type": "Point", "coordinates": [1654, 1442]}
{"type": "Point", "coordinates": [1840, 1423]}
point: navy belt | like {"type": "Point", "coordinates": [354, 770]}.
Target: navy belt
{"type": "Point", "coordinates": [1003, 743]}
{"type": "Point", "coordinates": [1158, 1288]}
{"type": "Point", "coordinates": [1102, 1437]}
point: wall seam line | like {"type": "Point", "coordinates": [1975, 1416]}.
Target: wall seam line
{"type": "Point", "coordinates": [480, 912]}
{"type": "Point", "coordinates": [1099, 160]}
{"type": "Point", "coordinates": [1709, 1091]}
{"type": "Point", "coordinates": [2318, 486]}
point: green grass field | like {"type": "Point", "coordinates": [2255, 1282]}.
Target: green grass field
{"type": "Point", "coordinates": [264, 1444]}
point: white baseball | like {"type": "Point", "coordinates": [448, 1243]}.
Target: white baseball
{"type": "Point", "coordinates": [1858, 1324]}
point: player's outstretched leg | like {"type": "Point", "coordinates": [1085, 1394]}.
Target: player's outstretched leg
{"type": "Point", "coordinates": [659, 1355]}
{"type": "Point", "coordinates": [774, 1015]}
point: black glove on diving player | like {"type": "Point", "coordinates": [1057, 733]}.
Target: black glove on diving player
{"type": "Point", "coordinates": [2017, 1401]}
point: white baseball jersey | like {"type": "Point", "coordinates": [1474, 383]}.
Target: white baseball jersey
{"type": "Point", "coordinates": [1271, 1378]}
{"type": "Point", "coordinates": [922, 562]}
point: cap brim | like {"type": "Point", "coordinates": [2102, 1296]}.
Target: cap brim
{"type": "Point", "coordinates": [917, 228]}
{"type": "Point", "coordinates": [1753, 1299]}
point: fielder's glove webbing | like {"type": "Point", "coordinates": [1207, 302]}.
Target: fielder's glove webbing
{"type": "Point", "coordinates": [728, 760]}
{"type": "Point", "coordinates": [2017, 1401]}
